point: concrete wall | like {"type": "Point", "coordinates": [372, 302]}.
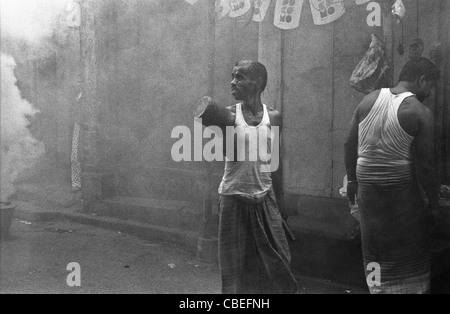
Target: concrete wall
{"type": "Point", "coordinates": [151, 67]}
{"type": "Point", "coordinates": [151, 70]}
{"type": "Point", "coordinates": [311, 67]}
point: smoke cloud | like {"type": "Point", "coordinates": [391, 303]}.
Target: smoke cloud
{"type": "Point", "coordinates": [33, 25]}
{"type": "Point", "coordinates": [30, 20]}
{"type": "Point", "coordinates": [32, 29]}
{"type": "Point", "coordinates": [19, 150]}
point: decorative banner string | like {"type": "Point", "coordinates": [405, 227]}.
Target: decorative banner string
{"type": "Point", "coordinates": [288, 13]}
{"type": "Point", "coordinates": [325, 12]}
{"type": "Point", "coordinates": [260, 8]}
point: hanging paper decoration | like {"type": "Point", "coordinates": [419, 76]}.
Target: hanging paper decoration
{"type": "Point", "coordinates": [288, 13]}
{"type": "Point", "coordinates": [326, 11]}
{"type": "Point", "coordinates": [239, 7]}
{"type": "Point", "coordinates": [359, 2]}
{"type": "Point", "coordinates": [260, 9]}
{"type": "Point", "coordinates": [73, 14]}
{"type": "Point", "coordinates": [222, 8]}
{"type": "Point", "coordinates": [192, 1]}
{"type": "Point", "coordinates": [398, 9]}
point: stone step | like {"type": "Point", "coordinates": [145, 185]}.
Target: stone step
{"type": "Point", "coordinates": [174, 214]}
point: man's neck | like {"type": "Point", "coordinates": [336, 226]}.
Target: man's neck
{"type": "Point", "coordinates": [253, 104]}
{"type": "Point", "coordinates": [403, 87]}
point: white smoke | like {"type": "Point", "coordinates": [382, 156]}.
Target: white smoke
{"type": "Point", "coordinates": [36, 25]}
{"type": "Point", "coordinates": [20, 151]}
{"type": "Point", "coordinates": [30, 20]}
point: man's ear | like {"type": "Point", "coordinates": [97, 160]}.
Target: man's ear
{"type": "Point", "coordinates": [422, 81]}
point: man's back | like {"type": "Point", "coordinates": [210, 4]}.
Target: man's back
{"type": "Point", "coordinates": [385, 154]}
{"type": "Point", "coordinates": [410, 113]}
{"type": "Point", "coordinates": [389, 142]}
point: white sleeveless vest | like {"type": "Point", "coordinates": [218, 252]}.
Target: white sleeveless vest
{"type": "Point", "coordinates": [243, 177]}
{"type": "Point", "coordinates": [385, 154]}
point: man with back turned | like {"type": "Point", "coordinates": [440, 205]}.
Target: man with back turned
{"type": "Point", "coordinates": [389, 154]}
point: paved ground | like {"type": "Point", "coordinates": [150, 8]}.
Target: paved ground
{"type": "Point", "coordinates": [35, 259]}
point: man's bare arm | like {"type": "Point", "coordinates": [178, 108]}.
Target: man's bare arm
{"type": "Point", "coordinates": [213, 114]}
{"type": "Point", "coordinates": [351, 144]}
{"type": "Point", "coordinates": [424, 149]}
{"type": "Point", "coordinates": [277, 176]}
{"type": "Point", "coordinates": [351, 157]}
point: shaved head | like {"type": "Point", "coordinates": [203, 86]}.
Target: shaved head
{"type": "Point", "coordinates": [256, 71]}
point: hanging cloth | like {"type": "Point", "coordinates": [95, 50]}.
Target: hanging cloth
{"type": "Point", "coordinates": [372, 72]}
{"type": "Point", "coordinates": [398, 9]}
{"type": "Point", "coordinates": [75, 161]}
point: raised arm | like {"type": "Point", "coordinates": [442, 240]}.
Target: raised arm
{"type": "Point", "coordinates": [212, 114]}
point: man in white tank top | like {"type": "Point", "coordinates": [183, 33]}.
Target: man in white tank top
{"type": "Point", "coordinates": [254, 253]}
{"type": "Point", "coordinates": [388, 152]}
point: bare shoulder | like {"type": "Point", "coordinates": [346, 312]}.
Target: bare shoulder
{"type": "Point", "coordinates": [373, 96]}
{"type": "Point", "coordinates": [276, 119]}
{"type": "Point", "coordinates": [414, 104]}
{"type": "Point", "coordinates": [413, 116]}
{"type": "Point", "coordinates": [231, 118]}
{"type": "Point", "coordinates": [417, 110]}
{"type": "Point", "coordinates": [366, 105]}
